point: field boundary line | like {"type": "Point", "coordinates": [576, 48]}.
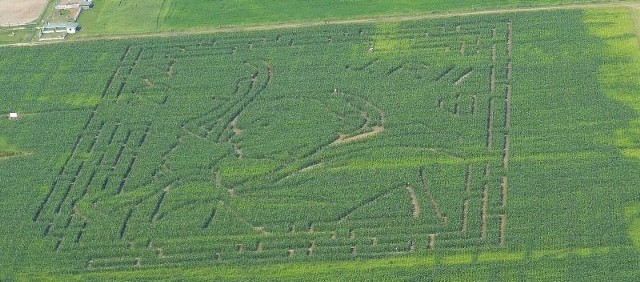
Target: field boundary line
{"type": "Point", "coordinates": [355, 20]}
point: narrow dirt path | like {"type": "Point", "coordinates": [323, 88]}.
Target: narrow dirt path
{"type": "Point", "coordinates": [370, 19]}
{"type": "Point", "coordinates": [234, 126]}
{"type": "Point", "coordinates": [504, 185]}
{"type": "Point", "coordinates": [415, 205]}
{"type": "Point", "coordinates": [7, 155]}
{"type": "Point", "coordinates": [507, 126]}
{"type": "Point", "coordinates": [236, 131]}
{"type": "Point", "coordinates": [344, 139]}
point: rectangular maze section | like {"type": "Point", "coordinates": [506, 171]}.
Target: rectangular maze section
{"type": "Point", "coordinates": [224, 171]}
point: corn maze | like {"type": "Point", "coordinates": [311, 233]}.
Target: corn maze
{"type": "Point", "coordinates": [234, 147]}
{"type": "Point", "coordinates": [336, 141]}
{"type": "Point", "coordinates": [494, 146]}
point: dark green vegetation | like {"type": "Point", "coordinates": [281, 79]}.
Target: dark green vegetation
{"type": "Point", "coordinates": [480, 147]}
{"type": "Point", "coordinates": [136, 16]}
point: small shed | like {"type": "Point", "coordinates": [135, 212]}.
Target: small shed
{"type": "Point", "coordinates": [68, 27]}
{"type": "Point", "coordinates": [13, 115]}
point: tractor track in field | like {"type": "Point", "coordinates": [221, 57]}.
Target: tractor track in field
{"type": "Point", "coordinates": [354, 20]}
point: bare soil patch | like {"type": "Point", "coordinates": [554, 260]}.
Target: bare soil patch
{"type": "Point", "coordinates": [20, 12]}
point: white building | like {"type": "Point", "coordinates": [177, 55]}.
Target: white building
{"type": "Point", "coordinates": [72, 4]}
{"type": "Point", "coordinates": [68, 27]}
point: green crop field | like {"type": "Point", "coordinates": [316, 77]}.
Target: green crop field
{"type": "Point", "coordinates": [488, 147]}
{"type": "Point", "coordinates": [110, 17]}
